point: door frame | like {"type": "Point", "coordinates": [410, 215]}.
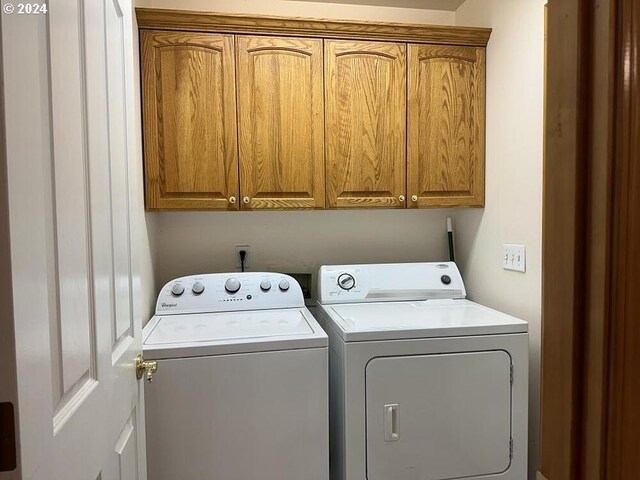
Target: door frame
{"type": "Point", "coordinates": [9, 444]}
{"type": "Point", "coordinates": [591, 219]}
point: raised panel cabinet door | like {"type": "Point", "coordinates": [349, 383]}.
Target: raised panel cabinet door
{"type": "Point", "coordinates": [365, 95]}
{"type": "Point", "coordinates": [446, 123]}
{"type": "Point", "coordinates": [280, 122]}
{"type": "Point", "coordinates": [191, 156]}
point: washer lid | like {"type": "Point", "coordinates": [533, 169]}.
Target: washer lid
{"type": "Point", "coordinates": [173, 336]}
{"type": "Point", "coordinates": [420, 319]}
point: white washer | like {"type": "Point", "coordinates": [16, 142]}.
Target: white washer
{"type": "Point", "coordinates": [424, 384]}
{"type": "Point", "coordinates": [241, 390]}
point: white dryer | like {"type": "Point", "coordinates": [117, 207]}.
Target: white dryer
{"type": "Point", "coordinates": [241, 391]}
{"type": "Point", "coordinates": [424, 384]}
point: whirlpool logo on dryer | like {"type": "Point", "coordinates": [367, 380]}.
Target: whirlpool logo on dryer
{"type": "Point", "coordinates": [168, 305]}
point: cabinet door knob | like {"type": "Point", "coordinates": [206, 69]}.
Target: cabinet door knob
{"type": "Point", "coordinates": [414, 198]}
{"type": "Point", "coordinates": [246, 199]}
{"type": "Point", "coordinates": [232, 199]}
{"type": "Point", "coordinates": [401, 198]}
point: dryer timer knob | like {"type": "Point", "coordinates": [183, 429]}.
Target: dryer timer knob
{"type": "Point", "coordinates": [284, 285]}
{"type": "Point", "coordinates": [346, 281]}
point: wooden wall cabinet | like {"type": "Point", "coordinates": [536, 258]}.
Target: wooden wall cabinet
{"type": "Point", "coordinates": [445, 120]}
{"type": "Point", "coordinates": [366, 124]}
{"type": "Point", "coordinates": [281, 122]}
{"type": "Point", "coordinates": [284, 113]}
{"type": "Point", "coordinates": [189, 117]}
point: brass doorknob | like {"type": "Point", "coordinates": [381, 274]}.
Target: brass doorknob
{"type": "Point", "coordinates": [246, 199]}
{"type": "Point", "coordinates": [145, 366]}
{"type": "Point", "coordinates": [414, 198]}
{"type": "Point", "coordinates": [401, 198]}
{"type": "Point", "coordinates": [232, 200]}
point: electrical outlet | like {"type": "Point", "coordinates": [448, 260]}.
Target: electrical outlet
{"type": "Point", "coordinates": [514, 257]}
{"type": "Point", "coordinates": [247, 258]}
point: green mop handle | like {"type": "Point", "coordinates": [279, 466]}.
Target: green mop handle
{"type": "Point", "coordinates": [452, 257]}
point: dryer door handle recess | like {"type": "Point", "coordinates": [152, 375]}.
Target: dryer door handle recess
{"type": "Point", "coordinates": [391, 423]}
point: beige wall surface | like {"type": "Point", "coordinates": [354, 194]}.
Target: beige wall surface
{"type": "Point", "coordinates": [295, 242]}
{"type": "Point", "coordinates": [309, 9]}
{"type": "Point", "coordinates": [513, 209]}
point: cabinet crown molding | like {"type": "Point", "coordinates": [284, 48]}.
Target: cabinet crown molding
{"type": "Point", "coordinates": [195, 21]}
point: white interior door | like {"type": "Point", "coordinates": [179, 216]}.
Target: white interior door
{"type": "Point", "coordinates": [68, 78]}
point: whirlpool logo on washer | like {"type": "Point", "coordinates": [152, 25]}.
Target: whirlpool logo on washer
{"type": "Point", "coordinates": [442, 265]}
{"type": "Point", "coordinates": [168, 305]}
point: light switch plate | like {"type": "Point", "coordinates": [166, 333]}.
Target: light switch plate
{"type": "Point", "coordinates": [514, 257]}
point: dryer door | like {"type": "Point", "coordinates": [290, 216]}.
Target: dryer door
{"type": "Point", "coordinates": [442, 416]}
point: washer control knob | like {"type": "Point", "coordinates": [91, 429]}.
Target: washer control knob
{"type": "Point", "coordinates": [177, 290]}
{"type": "Point", "coordinates": [346, 281]}
{"type": "Point", "coordinates": [232, 285]}
{"type": "Point", "coordinates": [284, 285]}
{"type": "Point", "coordinates": [265, 285]}
{"type": "Point", "coordinates": [446, 279]}
{"type": "Point", "coordinates": [197, 288]}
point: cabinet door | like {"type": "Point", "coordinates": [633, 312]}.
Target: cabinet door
{"type": "Point", "coordinates": [190, 131]}
{"type": "Point", "coordinates": [281, 122]}
{"type": "Point", "coordinates": [365, 124]}
{"type": "Point", "coordinates": [446, 116]}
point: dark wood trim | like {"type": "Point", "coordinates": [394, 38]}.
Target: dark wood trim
{"type": "Point", "coordinates": [591, 265]}
{"type": "Point", "coordinates": [564, 218]}
{"type": "Point", "coordinates": [186, 20]}
{"type": "Point", "coordinates": [623, 427]}
{"type": "Point", "coordinates": [598, 206]}
{"type": "Point", "coordinates": [8, 446]}
{"type": "Point", "coordinates": [576, 231]}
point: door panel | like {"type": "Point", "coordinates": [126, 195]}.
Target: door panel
{"type": "Point", "coordinates": [446, 113]}
{"type": "Point", "coordinates": [72, 318]}
{"type": "Point", "coordinates": [365, 95]}
{"type": "Point", "coordinates": [190, 130]}
{"type": "Point", "coordinates": [76, 335]}
{"type": "Point", "coordinates": [123, 461]}
{"type": "Point", "coordinates": [281, 122]}
{"type": "Point", "coordinates": [446, 416]}
{"type": "Point", "coordinates": [122, 326]}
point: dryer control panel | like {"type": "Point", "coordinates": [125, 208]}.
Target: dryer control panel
{"type": "Point", "coordinates": [228, 292]}
{"type": "Point", "coordinates": [389, 282]}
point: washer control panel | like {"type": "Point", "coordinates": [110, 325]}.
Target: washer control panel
{"type": "Point", "coordinates": [222, 292]}
{"type": "Point", "coordinates": [389, 282]}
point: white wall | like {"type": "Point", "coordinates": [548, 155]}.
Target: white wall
{"type": "Point", "coordinates": [513, 210]}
